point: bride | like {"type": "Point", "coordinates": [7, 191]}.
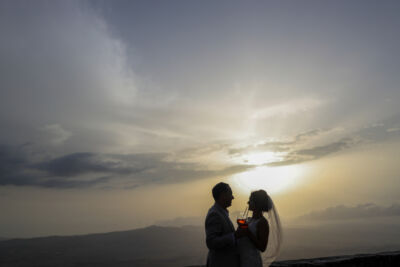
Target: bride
{"type": "Point", "coordinates": [261, 243]}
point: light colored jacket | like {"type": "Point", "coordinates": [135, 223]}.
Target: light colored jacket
{"type": "Point", "coordinates": [220, 239]}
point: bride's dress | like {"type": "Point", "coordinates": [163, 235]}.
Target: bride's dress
{"type": "Point", "coordinates": [250, 256]}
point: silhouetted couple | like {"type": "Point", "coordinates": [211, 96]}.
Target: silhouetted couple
{"type": "Point", "coordinates": [256, 245]}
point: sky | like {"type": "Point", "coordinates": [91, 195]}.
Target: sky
{"type": "Point", "coordinates": [118, 114]}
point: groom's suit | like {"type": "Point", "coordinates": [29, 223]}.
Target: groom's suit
{"type": "Point", "coordinates": [220, 239]}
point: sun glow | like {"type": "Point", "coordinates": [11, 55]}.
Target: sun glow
{"type": "Point", "coordinates": [271, 179]}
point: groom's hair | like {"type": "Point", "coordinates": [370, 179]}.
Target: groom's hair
{"type": "Point", "coordinates": [220, 188]}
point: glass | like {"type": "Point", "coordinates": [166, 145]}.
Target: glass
{"type": "Point", "coordinates": [242, 219]}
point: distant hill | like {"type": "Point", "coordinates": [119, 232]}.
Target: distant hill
{"type": "Point", "coordinates": [182, 221]}
{"type": "Point", "coordinates": [185, 246]}
{"type": "Point", "coordinates": [151, 246]}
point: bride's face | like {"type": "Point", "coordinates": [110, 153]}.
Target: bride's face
{"type": "Point", "coordinates": [251, 203]}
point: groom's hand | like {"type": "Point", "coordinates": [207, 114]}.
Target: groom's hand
{"type": "Point", "coordinates": [239, 233]}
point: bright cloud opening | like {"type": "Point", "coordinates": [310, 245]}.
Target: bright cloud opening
{"type": "Point", "coordinates": [271, 179]}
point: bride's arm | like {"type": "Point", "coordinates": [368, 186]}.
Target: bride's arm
{"type": "Point", "coordinates": [260, 240]}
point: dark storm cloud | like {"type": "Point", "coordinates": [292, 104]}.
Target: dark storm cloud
{"type": "Point", "coordinates": [81, 163]}
{"type": "Point", "coordinates": [81, 170]}
{"type": "Point", "coordinates": [17, 169]}
{"type": "Point", "coordinates": [11, 160]}
{"type": "Point", "coordinates": [343, 212]}
{"type": "Point", "coordinates": [18, 179]}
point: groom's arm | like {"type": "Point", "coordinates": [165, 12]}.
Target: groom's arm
{"type": "Point", "coordinates": [214, 237]}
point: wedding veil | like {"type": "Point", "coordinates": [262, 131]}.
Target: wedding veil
{"type": "Point", "coordinates": [275, 236]}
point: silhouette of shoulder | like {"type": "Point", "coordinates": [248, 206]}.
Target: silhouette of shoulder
{"type": "Point", "coordinates": [213, 217]}
{"type": "Point", "coordinates": [263, 222]}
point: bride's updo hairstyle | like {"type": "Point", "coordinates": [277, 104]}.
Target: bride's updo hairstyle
{"type": "Point", "coordinates": [261, 200]}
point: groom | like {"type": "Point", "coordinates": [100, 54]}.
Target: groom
{"type": "Point", "coordinates": [220, 232]}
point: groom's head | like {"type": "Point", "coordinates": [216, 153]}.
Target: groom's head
{"type": "Point", "coordinates": [222, 194]}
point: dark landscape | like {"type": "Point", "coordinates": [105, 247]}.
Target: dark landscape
{"type": "Point", "coordinates": [185, 246]}
{"type": "Point", "coordinates": [376, 260]}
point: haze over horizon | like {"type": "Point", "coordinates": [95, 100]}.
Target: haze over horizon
{"type": "Point", "coordinates": [116, 115]}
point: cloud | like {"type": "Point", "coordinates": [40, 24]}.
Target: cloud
{"type": "Point", "coordinates": [17, 169]}
{"type": "Point", "coordinates": [278, 146]}
{"type": "Point", "coordinates": [12, 160]}
{"type": "Point", "coordinates": [56, 134]}
{"type": "Point", "coordinates": [343, 212]}
{"type": "Point", "coordinates": [314, 153]}
{"type": "Point", "coordinates": [81, 163]}
{"type": "Point", "coordinates": [72, 73]}
{"type": "Point", "coordinates": [393, 130]}
{"type": "Point", "coordinates": [267, 146]}
{"type": "Point", "coordinates": [58, 183]}
{"type": "Point", "coordinates": [81, 170]}
{"type": "Point", "coordinates": [194, 151]}
{"type": "Point", "coordinates": [308, 134]}
{"type": "Point", "coordinates": [62, 61]}
{"type": "Point", "coordinates": [384, 130]}
{"type": "Point", "coordinates": [68, 62]}
{"type": "Point", "coordinates": [288, 108]}
{"type": "Point", "coordinates": [320, 151]}
{"type": "Point", "coordinates": [306, 146]}
{"type": "Point", "coordinates": [296, 149]}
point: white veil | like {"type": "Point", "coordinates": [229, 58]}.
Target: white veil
{"type": "Point", "coordinates": [275, 236]}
